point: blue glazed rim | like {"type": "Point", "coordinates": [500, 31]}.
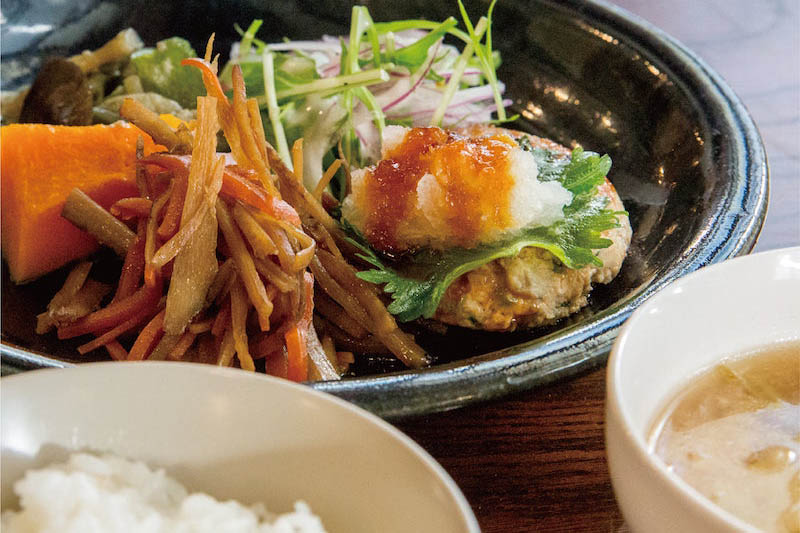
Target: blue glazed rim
{"type": "Point", "coordinates": [730, 230]}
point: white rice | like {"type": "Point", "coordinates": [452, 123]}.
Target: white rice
{"type": "Point", "coordinates": [109, 494]}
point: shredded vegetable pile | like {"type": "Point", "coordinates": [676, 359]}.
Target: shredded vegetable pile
{"type": "Point", "coordinates": [341, 92]}
{"type": "Point", "coordinates": [221, 268]}
{"type": "Point", "coordinates": [233, 250]}
{"type": "Point", "coordinates": [226, 254]}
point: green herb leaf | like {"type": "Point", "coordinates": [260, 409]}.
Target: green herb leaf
{"type": "Point", "coordinates": [290, 72]}
{"type": "Point", "coordinates": [485, 55]}
{"type": "Point", "coordinates": [248, 36]}
{"type": "Point", "coordinates": [368, 59]}
{"type": "Point", "coordinates": [572, 240]}
{"type": "Point", "coordinates": [160, 71]}
{"type": "Point", "coordinates": [414, 55]}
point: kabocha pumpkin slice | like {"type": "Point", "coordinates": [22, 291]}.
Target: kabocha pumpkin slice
{"type": "Point", "coordinates": [41, 164]}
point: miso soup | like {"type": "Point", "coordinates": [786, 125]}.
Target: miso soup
{"type": "Point", "coordinates": [734, 435]}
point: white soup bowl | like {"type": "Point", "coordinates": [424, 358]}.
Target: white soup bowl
{"type": "Point", "coordinates": [717, 312]}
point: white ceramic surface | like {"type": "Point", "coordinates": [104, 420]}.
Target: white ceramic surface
{"type": "Point", "coordinates": [722, 310]}
{"type": "Point", "coordinates": [233, 435]}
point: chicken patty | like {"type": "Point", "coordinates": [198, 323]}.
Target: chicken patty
{"type": "Point", "coordinates": [440, 189]}
{"type": "Point", "coordinates": [532, 288]}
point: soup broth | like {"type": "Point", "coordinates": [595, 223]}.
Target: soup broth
{"type": "Point", "coordinates": [734, 435]}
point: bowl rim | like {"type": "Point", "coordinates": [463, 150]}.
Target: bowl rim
{"type": "Point", "coordinates": [614, 405]}
{"type": "Point", "coordinates": [733, 228]}
{"type": "Point", "coordinates": [164, 370]}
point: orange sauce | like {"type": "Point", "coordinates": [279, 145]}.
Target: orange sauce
{"type": "Point", "coordinates": [473, 173]}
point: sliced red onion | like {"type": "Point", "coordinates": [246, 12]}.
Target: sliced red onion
{"type": "Point", "coordinates": [462, 98]}
{"type": "Point", "coordinates": [424, 73]}
{"type": "Point", "coordinates": [467, 72]}
{"type": "Point", "coordinates": [331, 70]}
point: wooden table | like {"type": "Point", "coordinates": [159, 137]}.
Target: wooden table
{"type": "Point", "coordinates": [536, 461]}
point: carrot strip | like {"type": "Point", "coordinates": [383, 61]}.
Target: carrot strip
{"type": "Point", "coordinates": [130, 208]}
{"type": "Point", "coordinates": [276, 363]}
{"type": "Point", "coordinates": [116, 351]}
{"type": "Point", "coordinates": [151, 271]}
{"type": "Point", "coordinates": [258, 127]}
{"type": "Point", "coordinates": [245, 266]}
{"type": "Point", "coordinates": [157, 182]}
{"type": "Point", "coordinates": [200, 327]}
{"type": "Point", "coordinates": [210, 80]}
{"type": "Point", "coordinates": [222, 319]}
{"type": "Point", "coordinates": [239, 307]}
{"type": "Point", "coordinates": [225, 111]}
{"type": "Point", "coordinates": [326, 179]}
{"type": "Point", "coordinates": [115, 313]}
{"type": "Point", "coordinates": [148, 338]}
{"type": "Point", "coordinates": [297, 159]}
{"type": "Point", "coordinates": [172, 215]}
{"type": "Point", "coordinates": [186, 340]}
{"type": "Point", "coordinates": [259, 240]}
{"type": "Point", "coordinates": [132, 270]}
{"type": "Point", "coordinates": [235, 184]}
{"type": "Point", "coordinates": [297, 354]}
{"type": "Point", "coordinates": [226, 349]}
{"type": "Point", "coordinates": [248, 140]}
{"type": "Point", "coordinates": [113, 333]}
{"type": "Point", "coordinates": [266, 344]}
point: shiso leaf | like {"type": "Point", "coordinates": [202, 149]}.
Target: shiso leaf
{"type": "Point", "coordinates": [414, 56]}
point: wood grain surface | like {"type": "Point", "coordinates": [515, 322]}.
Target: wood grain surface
{"type": "Point", "coordinates": [536, 461]}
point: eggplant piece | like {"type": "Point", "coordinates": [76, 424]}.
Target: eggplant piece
{"type": "Point", "coordinates": [60, 95]}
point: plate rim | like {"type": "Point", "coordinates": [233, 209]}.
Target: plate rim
{"type": "Point", "coordinates": [580, 347]}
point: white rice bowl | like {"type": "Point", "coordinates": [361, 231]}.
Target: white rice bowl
{"type": "Point", "coordinates": [233, 435]}
{"type": "Point", "coordinates": [109, 494]}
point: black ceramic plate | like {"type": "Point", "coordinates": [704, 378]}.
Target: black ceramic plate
{"type": "Point", "coordinates": [688, 163]}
